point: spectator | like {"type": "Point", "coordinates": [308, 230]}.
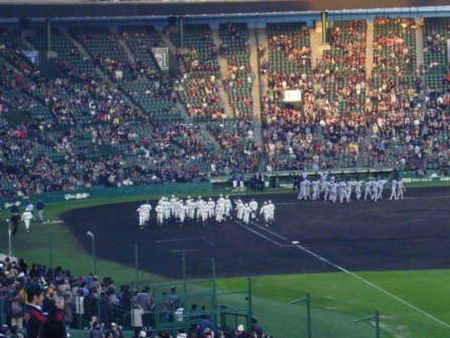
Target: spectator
{"type": "Point", "coordinates": [35, 317]}
{"type": "Point", "coordinates": [40, 209]}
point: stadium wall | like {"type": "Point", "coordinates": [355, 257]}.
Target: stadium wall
{"type": "Point", "coordinates": [112, 192]}
{"type": "Point", "coordinates": [274, 181]}
{"type": "Point", "coordinates": [254, 20]}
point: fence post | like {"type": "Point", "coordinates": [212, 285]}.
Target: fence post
{"type": "Point", "coordinates": [307, 301]}
{"type": "Point", "coordinates": [2, 311]}
{"type": "Point", "coordinates": [50, 252]}
{"type": "Point", "coordinates": [214, 285]}
{"type": "Point", "coordinates": [250, 303]}
{"type": "Point", "coordinates": [98, 307]}
{"type": "Point", "coordinates": [377, 324]}
{"type": "Point", "coordinates": [308, 315]}
{"type": "Point", "coordinates": [375, 318]}
{"type": "Point", "coordinates": [183, 262]}
{"type": "Point", "coordinates": [9, 238]}
{"type": "Point", "coordinates": [136, 265]}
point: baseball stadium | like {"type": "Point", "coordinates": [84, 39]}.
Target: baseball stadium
{"type": "Point", "coordinates": [236, 169]}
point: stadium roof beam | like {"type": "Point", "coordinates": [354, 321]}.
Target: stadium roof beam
{"type": "Point", "coordinates": [129, 10]}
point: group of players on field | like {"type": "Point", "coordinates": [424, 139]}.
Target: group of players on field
{"type": "Point", "coordinates": [341, 191]}
{"type": "Point", "coordinates": [176, 210]}
{"type": "Point", "coordinates": [204, 211]}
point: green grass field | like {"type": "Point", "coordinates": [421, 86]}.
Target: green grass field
{"type": "Point", "coordinates": [337, 298]}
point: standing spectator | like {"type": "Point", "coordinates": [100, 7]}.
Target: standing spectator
{"type": "Point", "coordinates": [17, 312]}
{"type": "Point", "coordinates": [40, 209]}
{"type": "Point", "coordinates": [15, 218]}
{"type": "Point", "coordinates": [34, 315]}
{"type": "Point", "coordinates": [96, 331]}
{"type": "Point", "coordinates": [53, 326]}
{"type": "Point", "coordinates": [79, 307]}
{"type": "Point", "coordinates": [116, 331]}
{"type": "Point", "coordinates": [136, 319]}
{"type": "Point", "coordinates": [15, 333]}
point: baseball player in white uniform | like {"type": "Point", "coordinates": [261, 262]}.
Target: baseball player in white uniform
{"type": "Point", "coordinates": [26, 218]}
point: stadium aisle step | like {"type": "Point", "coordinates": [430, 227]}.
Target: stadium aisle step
{"type": "Point", "coordinates": [256, 89]}
{"type": "Point", "coordinates": [125, 47]}
{"type": "Point", "coordinates": [261, 39]}
{"type": "Point", "coordinates": [223, 65]}
{"type": "Point", "coordinates": [419, 42]}
{"type": "Point", "coordinates": [86, 55]}
{"type": "Point", "coordinates": [165, 35]}
{"type": "Point", "coordinates": [256, 94]}
{"type": "Point", "coordinates": [369, 50]}
{"type": "Point", "coordinates": [317, 47]}
{"type": "Point", "coordinates": [27, 43]}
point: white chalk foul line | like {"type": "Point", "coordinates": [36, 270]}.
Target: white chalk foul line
{"type": "Point", "coordinates": [269, 231]}
{"type": "Point", "coordinates": [260, 234]}
{"type": "Point", "coordinates": [301, 247]}
{"type": "Point", "coordinates": [373, 285]}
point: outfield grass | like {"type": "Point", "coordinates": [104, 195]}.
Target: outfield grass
{"type": "Point", "coordinates": [337, 298]}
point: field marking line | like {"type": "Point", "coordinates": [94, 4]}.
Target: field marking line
{"type": "Point", "coordinates": [373, 285]}
{"type": "Point", "coordinates": [209, 242]}
{"type": "Point", "coordinates": [260, 234]}
{"type": "Point", "coordinates": [269, 231]}
{"type": "Point", "coordinates": [177, 240]}
{"type": "Point", "coordinates": [365, 281]}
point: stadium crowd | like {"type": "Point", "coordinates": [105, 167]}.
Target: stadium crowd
{"type": "Point", "coordinates": [78, 301]}
{"type": "Point", "coordinates": [346, 120]}
{"type": "Point", "coordinates": [79, 131]}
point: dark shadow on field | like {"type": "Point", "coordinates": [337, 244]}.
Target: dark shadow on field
{"type": "Point", "coordinates": [389, 235]}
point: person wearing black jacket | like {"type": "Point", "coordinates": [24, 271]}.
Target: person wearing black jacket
{"type": "Point", "coordinates": [34, 316]}
{"type": "Point", "coordinates": [53, 327]}
{"type": "Point", "coordinates": [15, 218]}
{"type": "Point", "coordinates": [40, 209]}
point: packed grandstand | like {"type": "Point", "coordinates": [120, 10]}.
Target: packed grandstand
{"type": "Point", "coordinates": [372, 96]}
